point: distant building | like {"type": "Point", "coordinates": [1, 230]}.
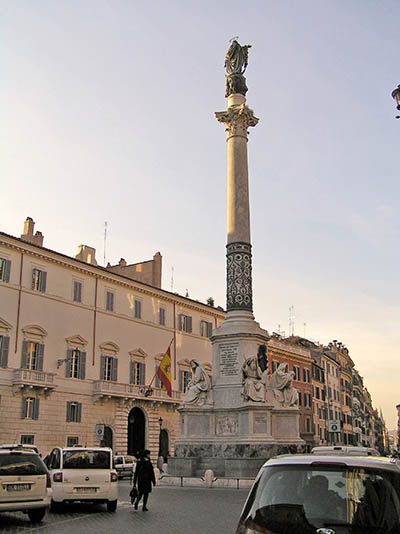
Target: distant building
{"type": "Point", "coordinates": [80, 345]}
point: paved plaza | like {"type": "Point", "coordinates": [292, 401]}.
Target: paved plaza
{"type": "Point", "coordinates": [172, 510]}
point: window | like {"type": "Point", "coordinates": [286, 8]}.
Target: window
{"type": "Point", "coordinates": [39, 280]}
{"type": "Point", "coordinates": [299, 398]}
{"type": "Point", "coordinates": [185, 323]}
{"type": "Point", "coordinates": [76, 364]}
{"type": "Point", "coordinates": [110, 301]}
{"type": "Point", "coordinates": [274, 366]}
{"type": "Point", "coordinates": [162, 317]}
{"type": "Point", "coordinates": [32, 356]}
{"type": "Point", "coordinates": [137, 373]}
{"type": "Point", "coordinates": [308, 427]}
{"type": "Point", "coordinates": [30, 408]}
{"type": "Point", "coordinates": [74, 411]}
{"type": "Point", "coordinates": [5, 268]}
{"type": "Point", "coordinates": [138, 309]}
{"type": "Point", "coordinates": [296, 371]}
{"type": "Point", "coordinates": [72, 441]}
{"type": "Point", "coordinates": [77, 291]}
{"type": "Point", "coordinates": [27, 440]}
{"type": "Point", "coordinates": [109, 368]}
{"type": "Point", "coordinates": [205, 329]}
{"type": "Point", "coordinates": [184, 377]}
{"type": "Point", "coordinates": [317, 392]}
{"type": "Point", "coordinates": [4, 344]}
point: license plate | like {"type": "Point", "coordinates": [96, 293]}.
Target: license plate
{"type": "Point", "coordinates": [18, 487]}
{"type": "Point", "coordinates": [85, 490]}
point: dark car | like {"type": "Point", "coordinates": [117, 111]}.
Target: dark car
{"type": "Point", "coordinates": [311, 494]}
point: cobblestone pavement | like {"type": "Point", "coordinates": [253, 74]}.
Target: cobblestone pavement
{"type": "Point", "coordinates": [172, 510]}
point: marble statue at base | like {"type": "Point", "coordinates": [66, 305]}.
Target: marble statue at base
{"type": "Point", "coordinates": [199, 386]}
{"type": "Point", "coordinates": [280, 391]}
{"type": "Point", "coordinates": [254, 374]}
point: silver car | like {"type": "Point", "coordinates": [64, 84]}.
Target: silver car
{"type": "Point", "coordinates": [24, 483]}
{"type": "Point", "coordinates": [311, 494]}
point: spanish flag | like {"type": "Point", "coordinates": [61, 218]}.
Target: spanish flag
{"type": "Point", "coordinates": [164, 372]}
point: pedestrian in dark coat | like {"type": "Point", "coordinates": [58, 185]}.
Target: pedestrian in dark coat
{"type": "Point", "coordinates": [144, 478]}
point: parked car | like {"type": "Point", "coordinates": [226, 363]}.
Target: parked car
{"type": "Point", "coordinates": [125, 465]}
{"type": "Point", "coordinates": [23, 446]}
{"type": "Point", "coordinates": [309, 494]}
{"type": "Point", "coordinates": [346, 450]}
{"type": "Point", "coordinates": [83, 474]}
{"type": "Point", "coordinates": [24, 483]}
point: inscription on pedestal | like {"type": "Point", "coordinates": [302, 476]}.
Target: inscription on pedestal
{"type": "Point", "coordinates": [260, 424]}
{"type": "Point", "coordinates": [229, 359]}
{"type": "Point", "coordinates": [227, 425]}
{"type": "Point", "coordinates": [198, 425]}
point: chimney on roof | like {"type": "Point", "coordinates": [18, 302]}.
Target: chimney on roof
{"type": "Point", "coordinates": [86, 254]}
{"type": "Point", "coordinates": [29, 226]}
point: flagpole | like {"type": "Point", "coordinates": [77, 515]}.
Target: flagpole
{"type": "Point", "coordinates": [148, 389]}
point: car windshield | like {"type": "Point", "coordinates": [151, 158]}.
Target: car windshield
{"type": "Point", "coordinates": [303, 498]}
{"type": "Point", "coordinates": [86, 459]}
{"type": "Point", "coordinates": [17, 463]}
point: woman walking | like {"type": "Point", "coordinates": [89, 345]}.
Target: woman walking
{"type": "Point", "coordinates": [144, 477]}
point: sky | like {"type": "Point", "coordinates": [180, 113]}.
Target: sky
{"type": "Point", "coordinates": [107, 115]}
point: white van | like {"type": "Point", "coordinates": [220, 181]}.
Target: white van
{"type": "Point", "coordinates": [346, 450]}
{"type": "Point", "coordinates": [83, 474]}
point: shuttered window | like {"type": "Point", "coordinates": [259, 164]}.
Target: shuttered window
{"type": "Point", "coordinates": [39, 279]}
{"type": "Point", "coordinates": [185, 323]}
{"type": "Point", "coordinates": [138, 309]}
{"type": "Point", "coordinates": [184, 377]}
{"type": "Point", "coordinates": [30, 408]}
{"type": "Point", "coordinates": [74, 411]}
{"type": "Point", "coordinates": [110, 301]}
{"type": "Point", "coordinates": [137, 373]}
{"type": "Point", "coordinates": [76, 364]}
{"type": "Point", "coordinates": [32, 356]}
{"type": "Point", "coordinates": [205, 329]}
{"type": "Point", "coordinates": [162, 316]}
{"type": "Point", "coordinates": [108, 368]}
{"type": "Point", "coordinates": [5, 269]}
{"type": "Point", "coordinates": [4, 345]}
{"type": "Point", "coordinates": [77, 291]}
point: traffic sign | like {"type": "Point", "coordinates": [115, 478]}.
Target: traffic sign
{"type": "Point", "coordinates": [100, 432]}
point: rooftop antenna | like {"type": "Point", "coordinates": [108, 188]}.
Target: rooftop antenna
{"type": "Point", "coordinates": [105, 238]}
{"type": "Point", "coordinates": [304, 325]}
{"type": "Point", "coordinates": [172, 279]}
{"type": "Point", "coordinates": [291, 320]}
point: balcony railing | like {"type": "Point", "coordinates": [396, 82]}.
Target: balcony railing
{"type": "Point", "coordinates": [34, 379]}
{"type": "Point", "coordinates": [106, 388]}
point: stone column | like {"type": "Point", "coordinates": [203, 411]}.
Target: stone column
{"type": "Point", "coordinates": [239, 298]}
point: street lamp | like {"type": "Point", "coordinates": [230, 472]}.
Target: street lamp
{"type": "Point", "coordinates": [160, 460]}
{"type": "Point", "coordinates": [396, 96]}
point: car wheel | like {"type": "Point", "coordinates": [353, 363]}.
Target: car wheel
{"type": "Point", "coordinates": [112, 506]}
{"type": "Point", "coordinates": [36, 515]}
{"type": "Point", "coordinates": [55, 506]}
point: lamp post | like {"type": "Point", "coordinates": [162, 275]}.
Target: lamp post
{"type": "Point", "coordinates": [396, 97]}
{"type": "Point", "coordinates": [160, 457]}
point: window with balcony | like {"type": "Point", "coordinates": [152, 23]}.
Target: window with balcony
{"type": "Point", "coordinates": [5, 269]}
{"type": "Point", "coordinates": [109, 368]}
{"type": "Point", "coordinates": [32, 356]}
{"type": "Point", "coordinates": [76, 364]}
{"type": "Point", "coordinates": [4, 345]}
{"type": "Point", "coordinates": [137, 373]}
{"type": "Point", "coordinates": [30, 408]}
{"type": "Point", "coordinates": [74, 412]}
{"type": "Point", "coordinates": [39, 279]}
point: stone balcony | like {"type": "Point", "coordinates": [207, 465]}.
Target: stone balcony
{"type": "Point", "coordinates": [28, 378]}
{"type": "Point", "coordinates": [103, 389]}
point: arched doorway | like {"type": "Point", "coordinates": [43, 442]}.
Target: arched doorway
{"type": "Point", "coordinates": [136, 431]}
{"type": "Point", "coordinates": [108, 437]}
{"type": "Point", "coordinates": [164, 444]}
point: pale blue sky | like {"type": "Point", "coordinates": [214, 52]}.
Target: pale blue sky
{"type": "Point", "coordinates": [107, 114]}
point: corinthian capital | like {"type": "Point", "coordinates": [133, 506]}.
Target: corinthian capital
{"type": "Point", "coordinates": [237, 120]}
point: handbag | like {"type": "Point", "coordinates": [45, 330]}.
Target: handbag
{"type": "Point", "coordinates": [133, 494]}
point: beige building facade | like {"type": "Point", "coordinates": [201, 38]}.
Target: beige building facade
{"type": "Point", "coordinates": [79, 347]}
